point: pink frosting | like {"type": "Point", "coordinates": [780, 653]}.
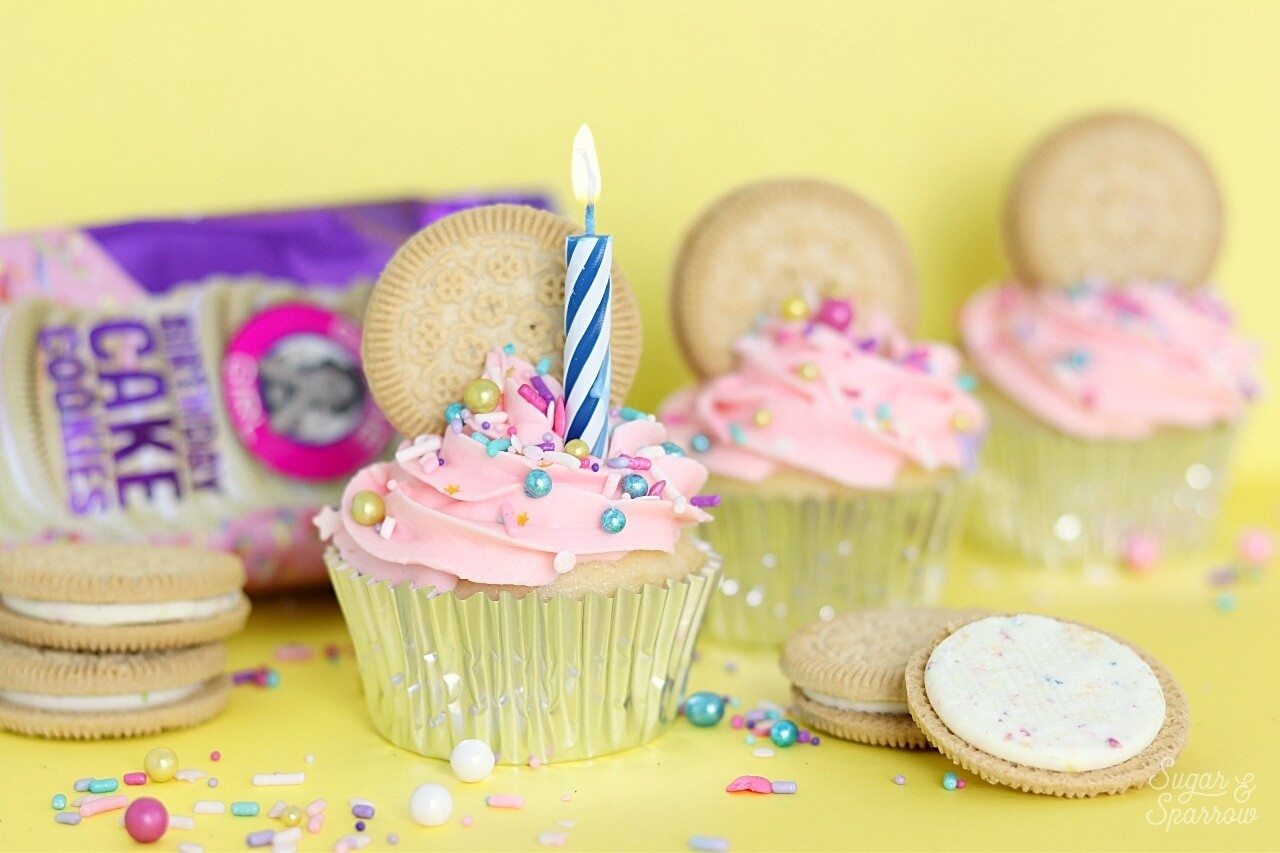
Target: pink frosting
{"type": "Point", "coordinates": [1112, 362]}
{"type": "Point", "coordinates": [820, 398]}
{"type": "Point", "coordinates": [462, 513]}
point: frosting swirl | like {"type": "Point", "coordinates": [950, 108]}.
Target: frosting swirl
{"type": "Point", "coordinates": [814, 396]}
{"type": "Point", "coordinates": [1098, 361]}
{"type": "Point", "coordinates": [457, 506]}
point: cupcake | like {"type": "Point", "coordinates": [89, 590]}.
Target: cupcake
{"type": "Point", "coordinates": [499, 582]}
{"type": "Point", "coordinates": [1114, 378]}
{"type": "Point", "coordinates": [840, 449]}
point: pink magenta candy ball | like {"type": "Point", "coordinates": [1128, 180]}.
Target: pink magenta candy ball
{"type": "Point", "coordinates": [1141, 552]}
{"type": "Point", "coordinates": [146, 820]}
{"type": "Point", "coordinates": [836, 313]}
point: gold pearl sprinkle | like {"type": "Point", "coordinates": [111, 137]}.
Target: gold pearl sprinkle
{"type": "Point", "coordinates": [961, 422]}
{"type": "Point", "coordinates": [795, 308]}
{"type": "Point", "coordinates": [808, 370]}
{"type": "Point", "coordinates": [762, 418]}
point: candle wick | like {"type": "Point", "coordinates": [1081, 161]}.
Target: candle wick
{"type": "Point", "coordinates": [591, 218]}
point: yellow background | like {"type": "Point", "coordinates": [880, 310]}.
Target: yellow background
{"type": "Point", "coordinates": [111, 110]}
{"type": "Point", "coordinates": [122, 110]}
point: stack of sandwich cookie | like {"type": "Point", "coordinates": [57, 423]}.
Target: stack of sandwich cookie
{"type": "Point", "coordinates": [847, 674]}
{"type": "Point", "coordinates": [115, 640]}
{"type": "Point", "coordinates": [1046, 706]}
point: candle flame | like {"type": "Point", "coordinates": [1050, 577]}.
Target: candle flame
{"type": "Point", "coordinates": [585, 167]}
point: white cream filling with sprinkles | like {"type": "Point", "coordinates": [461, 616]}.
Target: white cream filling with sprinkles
{"type": "Point", "coordinates": [91, 704]}
{"type": "Point", "coordinates": [860, 707]}
{"type": "Point", "coordinates": [105, 615]}
{"type": "Point", "coordinates": [1045, 694]}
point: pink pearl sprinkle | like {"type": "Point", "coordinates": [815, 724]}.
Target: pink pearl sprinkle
{"type": "Point", "coordinates": [1255, 547]}
{"type": "Point", "coordinates": [836, 313]}
{"type": "Point", "coordinates": [466, 820]}
{"type": "Point", "coordinates": [534, 763]}
{"type": "Point", "coordinates": [960, 783]}
{"type": "Point", "coordinates": [736, 721]}
{"type": "Point", "coordinates": [1141, 552]}
{"type": "Point", "coordinates": [215, 756]}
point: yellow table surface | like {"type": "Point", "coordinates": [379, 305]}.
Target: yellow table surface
{"type": "Point", "coordinates": [655, 797]}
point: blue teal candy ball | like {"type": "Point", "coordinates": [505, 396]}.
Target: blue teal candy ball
{"type": "Point", "coordinates": [949, 781]}
{"type": "Point", "coordinates": [613, 520]}
{"type": "Point", "coordinates": [537, 483]}
{"type": "Point", "coordinates": [700, 443]}
{"type": "Point", "coordinates": [453, 410]}
{"type": "Point", "coordinates": [704, 709]}
{"type": "Point", "coordinates": [635, 485]}
{"type": "Point", "coordinates": [784, 733]}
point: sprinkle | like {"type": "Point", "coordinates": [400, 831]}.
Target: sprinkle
{"type": "Point", "coordinates": [552, 839]}
{"type": "Point", "coordinates": [540, 386]}
{"type": "Point", "coordinates": [762, 753]}
{"type": "Point", "coordinates": [286, 836]}
{"type": "Point", "coordinates": [709, 843]}
{"type": "Point", "coordinates": [785, 787]}
{"type": "Point", "coordinates": [533, 398]}
{"type": "Point", "coordinates": [181, 821]}
{"type": "Point", "coordinates": [568, 824]}
{"type": "Point", "coordinates": [466, 820]}
{"type": "Point", "coordinates": [277, 809]}
{"type": "Point", "coordinates": [215, 756]}
{"type": "Point", "coordinates": [103, 786]}
{"type": "Point", "coordinates": [736, 721]}
{"type": "Point", "coordinates": [700, 443]}
{"type": "Point", "coordinates": [543, 365]}
{"type": "Point", "coordinates": [137, 778]}
{"type": "Point", "coordinates": [961, 784]}
{"type": "Point", "coordinates": [104, 804]}
{"type": "Point", "coordinates": [268, 779]}
{"type": "Point", "coordinates": [504, 801]}
{"type": "Point", "coordinates": [738, 434]}
{"type": "Point", "coordinates": [362, 811]}
{"type": "Point", "coordinates": [452, 489]}
{"type": "Point", "coordinates": [69, 818]}
{"type": "Point", "coordinates": [619, 461]}
{"type": "Point", "coordinates": [261, 838]}
{"type": "Point", "coordinates": [244, 809]}
{"type": "Point", "coordinates": [564, 798]}
{"type": "Point", "coordinates": [360, 825]}
{"type": "Point", "coordinates": [613, 520]}
{"type": "Point", "coordinates": [557, 415]}
{"type": "Point", "coordinates": [213, 782]}
{"type": "Point", "coordinates": [949, 781]}
{"type": "Point", "coordinates": [392, 838]}
{"type": "Point", "coordinates": [508, 515]}
{"type": "Point", "coordinates": [754, 784]}
{"type": "Point", "coordinates": [568, 460]}
{"type": "Point", "coordinates": [188, 774]}
{"type": "Point", "coordinates": [704, 501]}
{"type": "Point", "coordinates": [417, 451]}
{"type": "Point", "coordinates": [82, 785]}
{"type": "Point", "coordinates": [655, 491]}
{"type": "Point", "coordinates": [534, 762]}
{"type": "Point", "coordinates": [1255, 547]}
{"type": "Point", "coordinates": [188, 847]}
{"type": "Point", "coordinates": [59, 801]}
{"type": "Point", "coordinates": [899, 779]}
{"type": "Point", "coordinates": [564, 561]}
{"type": "Point", "coordinates": [749, 740]}
{"type": "Point", "coordinates": [209, 807]}
{"type": "Point", "coordinates": [807, 371]}
{"type": "Point", "coordinates": [509, 349]}
{"type": "Point", "coordinates": [1225, 602]}
{"type": "Point", "coordinates": [315, 823]}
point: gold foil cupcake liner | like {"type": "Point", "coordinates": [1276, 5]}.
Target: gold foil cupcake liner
{"type": "Point", "coordinates": [1063, 501]}
{"type": "Point", "coordinates": [789, 562]}
{"type": "Point", "coordinates": [556, 680]}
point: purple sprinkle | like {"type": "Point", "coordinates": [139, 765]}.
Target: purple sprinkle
{"type": "Point", "coordinates": [456, 425]}
{"type": "Point", "coordinates": [595, 466]}
{"type": "Point", "coordinates": [244, 676]}
{"type": "Point", "coordinates": [540, 386]}
{"type": "Point", "coordinates": [485, 425]}
{"type": "Point", "coordinates": [547, 445]}
{"type": "Point", "coordinates": [362, 810]}
{"type": "Point", "coordinates": [704, 500]}
{"type": "Point", "coordinates": [814, 740]}
{"type": "Point", "coordinates": [261, 838]}
{"type": "Point", "coordinates": [393, 839]}
{"type": "Point", "coordinates": [213, 781]}
{"type": "Point", "coordinates": [619, 462]}
{"type": "Point", "coordinates": [359, 826]}
{"type": "Point", "coordinates": [867, 344]}
{"type": "Point", "coordinates": [804, 736]}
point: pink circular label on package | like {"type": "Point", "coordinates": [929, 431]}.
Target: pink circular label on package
{"type": "Point", "coordinates": [296, 396]}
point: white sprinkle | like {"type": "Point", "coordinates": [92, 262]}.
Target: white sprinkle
{"type": "Point", "coordinates": [611, 484]}
{"type": "Point", "coordinates": [277, 809]}
{"type": "Point", "coordinates": [568, 460]}
{"type": "Point", "coordinates": [533, 452]}
{"type": "Point", "coordinates": [268, 779]}
{"type": "Point", "coordinates": [209, 807]}
{"type": "Point", "coordinates": [392, 485]}
{"type": "Point", "coordinates": [681, 504]}
{"type": "Point", "coordinates": [181, 821]}
{"type": "Point", "coordinates": [188, 847]}
{"type": "Point", "coordinates": [568, 824]}
{"type": "Point", "coordinates": [762, 753]}
{"type": "Point", "coordinates": [388, 525]}
{"type": "Point", "coordinates": [415, 451]}
{"type": "Point", "coordinates": [315, 807]}
{"type": "Point", "coordinates": [652, 451]}
{"type": "Point", "coordinates": [551, 411]}
{"type": "Point", "coordinates": [565, 561]}
{"type": "Point", "coordinates": [432, 441]}
{"type": "Point", "coordinates": [287, 836]}
{"type": "Point", "coordinates": [516, 444]}
{"type": "Point", "coordinates": [552, 839]}
{"type": "Point", "coordinates": [190, 775]}
{"type": "Point", "coordinates": [310, 758]}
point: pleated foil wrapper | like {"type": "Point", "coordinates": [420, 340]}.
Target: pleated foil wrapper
{"type": "Point", "coordinates": [792, 561]}
{"type": "Point", "coordinates": [1060, 501]}
{"type": "Point", "coordinates": [559, 680]}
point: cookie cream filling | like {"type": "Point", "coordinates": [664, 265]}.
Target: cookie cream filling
{"type": "Point", "coordinates": [102, 615]}
{"type": "Point", "coordinates": [860, 707]}
{"type": "Point", "coordinates": [91, 704]}
{"type": "Point", "coordinates": [1044, 693]}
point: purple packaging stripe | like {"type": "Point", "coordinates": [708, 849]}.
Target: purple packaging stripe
{"type": "Point", "coordinates": [315, 246]}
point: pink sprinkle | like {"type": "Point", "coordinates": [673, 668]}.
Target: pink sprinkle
{"type": "Point", "coordinates": [534, 763]}
{"type": "Point", "coordinates": [135, 778]}
{"type": "Point", "coordinates": [557, 422]}
{"type": "Point", "coordinates": [509, 519]}
{"type": "Point", "coordinates": [532, 397]}
{"type": "Point", "coordinates": [1141, 552]}
{"type": "Point", "coordinates": [736, 721]}
{"type": "Point", "coordinates": [566, 798]}
{"type": "Point", "coordinates": [755, 784]}
{"type": "Point", "coordinates": [316, 823]}
{"type": "Point", "coordinates": [215, 756]}
{"type": "Point", "coordinates": [656, 490]}
{"type": "Point", "coordinates": [466, 820]}
{"type": "Point", "coordinates": [552, 839]}
{"type": "Point", "coordinates": [294, 652]}
{"type": "Point", "coordinates": [504, 801]}
{"type": "Point", "coordinates": [1113, 743]}
{"type": "Point", "coordinates": [585, 463]}
{"type": "Point", "coordinates": [960, 783]}
{"type": "Point", "coordinates": [1255, 547]}
{"type": "Point", "coordinates": [639, 463]}
{"type": "Point", "coordinates": [106, 804]}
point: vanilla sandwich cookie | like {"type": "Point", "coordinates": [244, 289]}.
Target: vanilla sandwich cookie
{"type": "Point", "coordinates": [847, 674]}
{"type": "Point", "coordinates": [85, 696]}
{"type": "Point", "coordinates": [106, 598]}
